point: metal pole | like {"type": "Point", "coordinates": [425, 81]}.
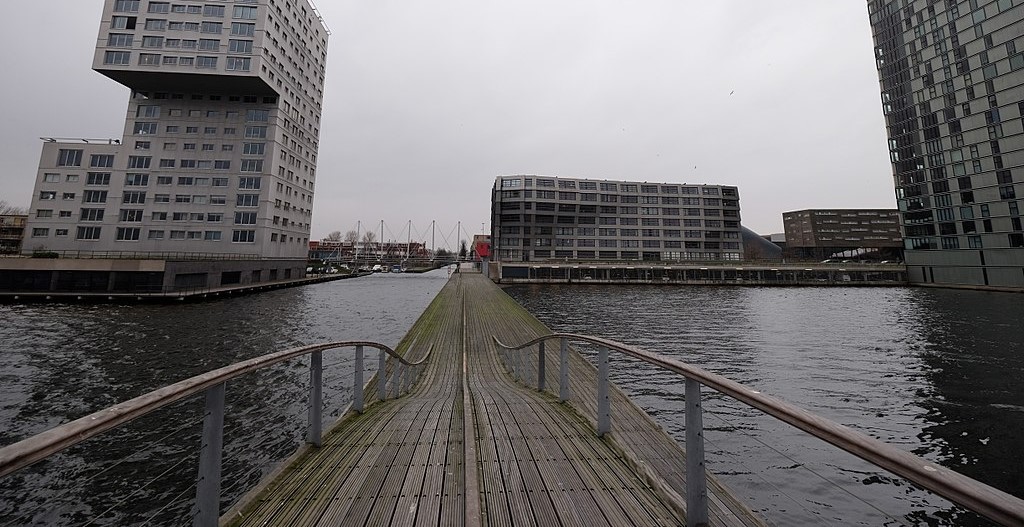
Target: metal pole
{"type": "Point", "coordinates": [540, 367]}
{"type": "Point", "coordinates": [396, 378]}
{"type": "Point", "coordinates": [696, 480]}
{"type": "Point", "coordinates": [604, 419]}
{"type": "Point", "coordinates": [316, 405]}
{"type": "Point", "coordinates": [382, 378]}
{"type": "Point", "coordinates": [563, 373]}
{"type": "Point", "coordinates": [208, 486]}
{"type": "Point", "coordinates": [357, 384]}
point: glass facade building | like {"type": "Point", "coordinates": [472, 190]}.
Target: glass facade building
{"type": "Point", "coordinates": [952, 90]}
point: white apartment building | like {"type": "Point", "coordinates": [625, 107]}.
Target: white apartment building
{"type": "Point", "coordinates": [219, 150]}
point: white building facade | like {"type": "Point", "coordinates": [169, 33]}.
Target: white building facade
{"type": "Point", "coordinates": [221, 135]}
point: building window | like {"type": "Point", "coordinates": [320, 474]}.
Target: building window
{"type": "Point", "coordinates": [247, 200]}
{"type": "Point", "coordinates": [241, 29]}
{"type": "Point", "coordinates": [252, 165]}
{"type": "Point", "coordinates": [88, 233]}
{"type": "Point", "coordinates": [212, 236]}
{"type": "Point", "coordinates": [249, 183]}
{"type": "Point", "coordinates": [136, 180]}
{"type": "Point", "coordinates": [245, 236]}
{"type": "Point", "coordinates": [255, 132]}
{"type": "Point", "coordinates": [206, 62]}
{"type": "Point", "coordinates": [238, 63]}
{"type": "Point", "coordinates": [211, 27]}
{"type": "Point", "coordinates": [209, 44]}
{"type": "Point", "coordinates": [97, 178]}
{"type": "Point", "coordinates": [128, 233]}
{"type": "Point", "coordinates": [253, 149]}
{"type": "Point", "coordinates": [139, 161]}
{"type": "Point", "coordinates": [240, 46]}
{"type": "Point", "coordinates": [133, 197]}
{"type": "Point", "coordinates": [216, 11]}
{"type": "Point", "coordinates": [126, 6]}
{"type": "Point", "coordinates": [90, 215]}
{"type": "Point", "coordinates": [119, 40]}
{"type": "Point", "coordinates": [245, 218]}
{"type": "Point", "coordinates": [67, 157]}
{"type": "Point", "coordinates": [244, 13]}
{"type": "Point", "coordinates": [51, 178]}
{"type": "Point", "coordinates": [156, 24]}
{"type": "Point", "coordinates": [131, 215]}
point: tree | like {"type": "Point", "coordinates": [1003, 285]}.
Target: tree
{"type": "Point", "coordinates": [351, 237]}
{"type": "Point", "coordinates": [334, 236]}
{"type": "Point", "coordinates": [462, 250]}
{"type": "Point", "coordinates": [7, 208]}
{"type": "Point", "coordinates": [369, 237]}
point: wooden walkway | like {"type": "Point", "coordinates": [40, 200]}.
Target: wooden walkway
{"type": "Point", "coordinates": [528, 460]}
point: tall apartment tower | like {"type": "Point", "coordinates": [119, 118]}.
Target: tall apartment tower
{"type": "Point", "coordinates": [220, 141]}
{"type": "Point", "coordinates": [952, 82]}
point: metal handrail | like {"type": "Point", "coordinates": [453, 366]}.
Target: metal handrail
{"type": "Point", "coordinates": [983, 499]}
{"type": "Point", "coordinates": [38, 447]}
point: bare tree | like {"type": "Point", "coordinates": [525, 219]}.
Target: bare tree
{"type": "Point", "coordinates": [369, 237]}
{"type": "Point", "coordinates": [7, 208]}
{"type": "Point", "coordinates": [334, 236]}
{"type": "Point", "coordinates": [351, 237]}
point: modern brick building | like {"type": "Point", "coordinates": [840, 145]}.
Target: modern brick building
{"type": "Point", "coordinates": [220, 143]}
{"type": "Point", "coordinates": [538, 218]}
{"type": "Point", "coordinates": [952, 88]}
{"type": "Point", "coordinates": [820, 233]}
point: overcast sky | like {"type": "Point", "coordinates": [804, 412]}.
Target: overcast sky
{"type": "Point", "coordinates": [428, 100]}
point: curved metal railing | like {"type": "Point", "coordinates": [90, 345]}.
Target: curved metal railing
{"type": "Point", "coordinates": [958, 488]}
{"type": "Point", "coordinates": [36, 448]}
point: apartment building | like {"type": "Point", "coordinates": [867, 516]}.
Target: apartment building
{"type": "Point", "coordinates": [219, 150]}
{"type": "Point", "coordinates": [539, 218]}
{"type": "Point", "coordinates": [951, 75]}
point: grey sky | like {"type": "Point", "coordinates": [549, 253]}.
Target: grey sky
{"type": "Point", "coordinates": [428, 100]}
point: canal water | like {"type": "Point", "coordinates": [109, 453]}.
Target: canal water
{"type": "Point", "coordinates": [59, 362]}
{"type": "Point", "coordinates": [935, 372]}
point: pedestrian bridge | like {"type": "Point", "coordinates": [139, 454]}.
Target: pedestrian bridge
{"type": "Point", "coordinates": [482, 416]}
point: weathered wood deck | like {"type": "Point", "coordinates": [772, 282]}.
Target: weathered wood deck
{"type": "Point", "coordinates": [528, 459]}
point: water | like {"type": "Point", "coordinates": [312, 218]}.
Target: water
{"type": "Point", "coordinates": [934, 372]}
{"type": "Point", "coordinates": [59, 362]}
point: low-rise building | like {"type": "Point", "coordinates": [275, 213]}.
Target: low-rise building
{"type": "Point", "coordinates": [12, 231]}
{"type": "Point", "coordinates": [538, 218]}
{"type": "Point", "coordinates": [824, 233]}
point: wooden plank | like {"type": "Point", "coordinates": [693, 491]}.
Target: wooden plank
{"type": "Point", "coordinates": [537, 462]}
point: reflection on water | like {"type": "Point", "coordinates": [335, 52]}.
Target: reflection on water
{"type": "Point", "coordinates": [59, 362]}
{"type": "Point", "coordinates": [935, 372]}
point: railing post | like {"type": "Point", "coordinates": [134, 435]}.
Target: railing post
{"type": "Point", "coordinates": [604, 418]}
{"type": "Point", "coordinates": [316, 404]}
{"type": "Point", "coordinates": [696, 480]}
{"type": "Point", "coordinates": [563, 373]}
{"type": "Point", "coordinates": [396, 378]}
{"type": "Point", "coordinates": [357, 383]}
{"type": "Point", "coordinates": [382, 378]}
{"type": "Point", "coordinates": [407, 378]}
{"type": "Point", "coordinates": [540, 367]}
{"type": "Point", "coordinates": [208, 487]}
